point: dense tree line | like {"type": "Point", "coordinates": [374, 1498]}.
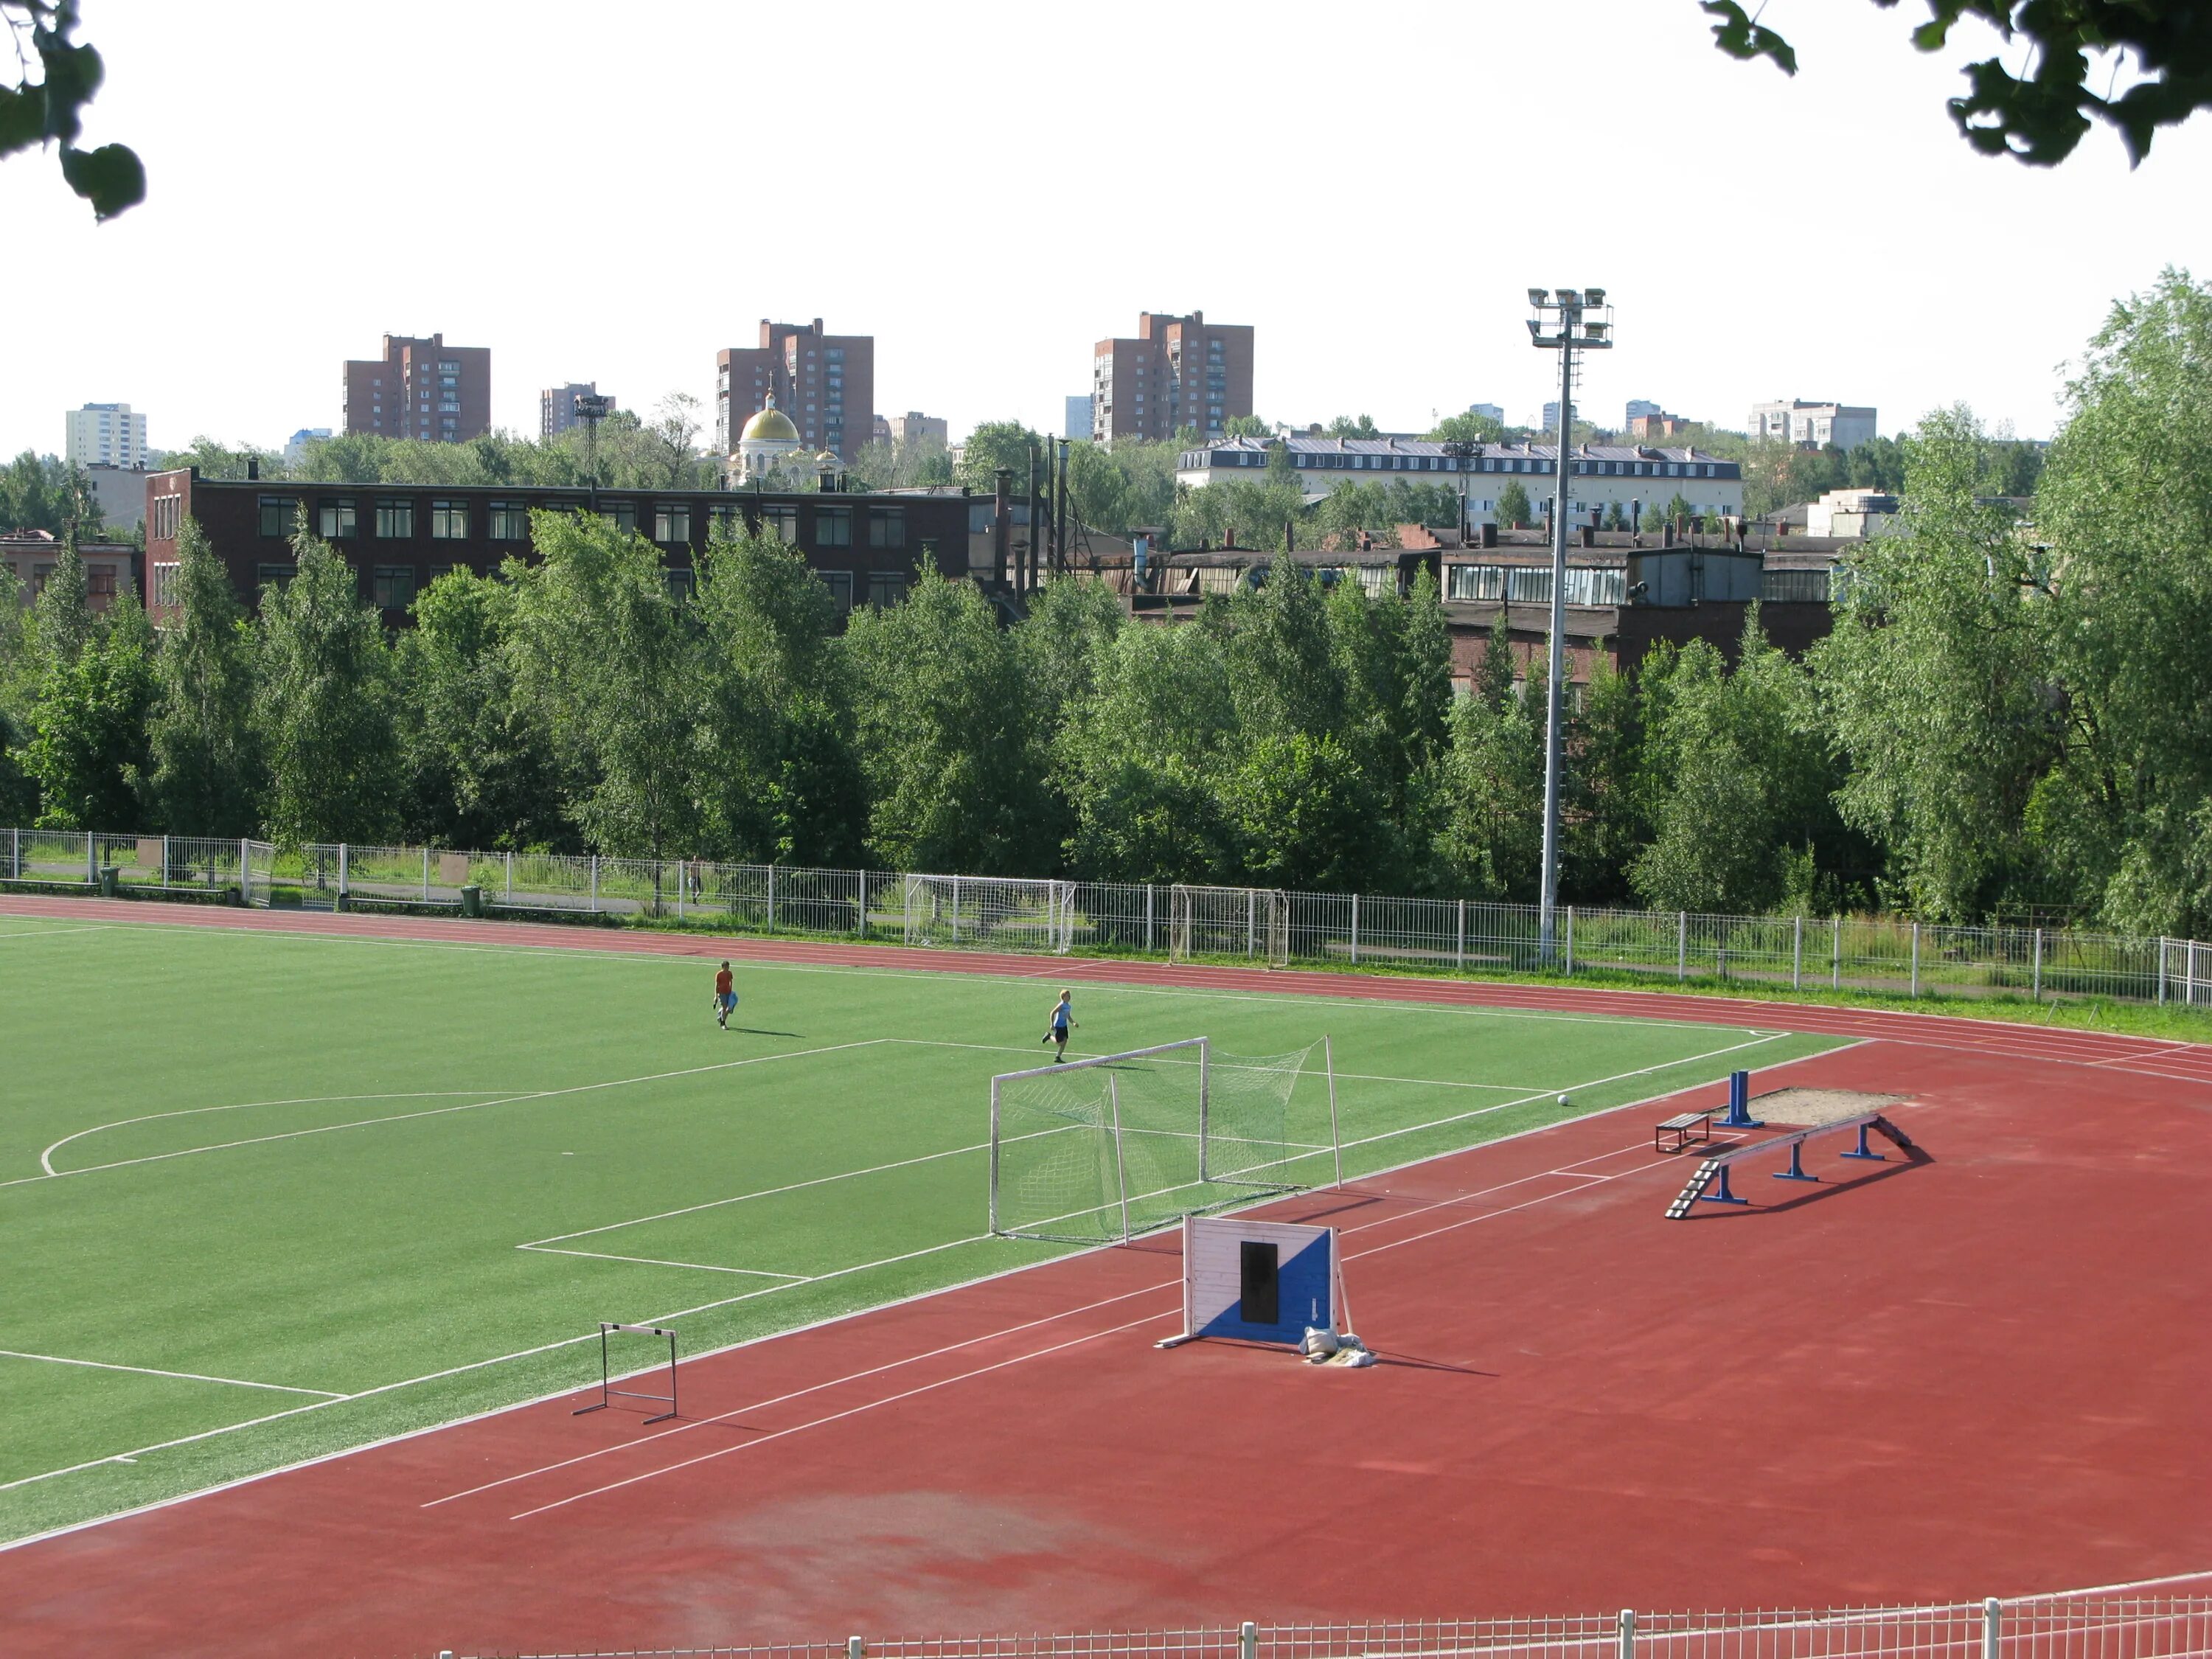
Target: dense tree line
{"type": "Point", "coordinates": [2007, 715]}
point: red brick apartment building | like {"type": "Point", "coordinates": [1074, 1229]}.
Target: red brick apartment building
{"type": "Point", "coordinates": [421, 389]}
{"type": "Point", "coordinates": [826, 383]}
{"type": "Point", "coordinates": [399, 537]}
{"type": "Point", "coordinates": [1177, 372]}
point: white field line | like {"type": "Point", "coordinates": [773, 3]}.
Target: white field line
{"type": "Point", "coordinates": [563, 1393]}
{"type": "Point", "coordinates": [442, 1111]}
{"type": "Point", "coordinates": [655, 1262]}
{"type": "Point", "coordinates": [798, 1393]}
{"type": "Point", "coordinates": [855, 1411]}
{"type": "Point", "coordinates": [149, 1371]}
{"type": "Point", "coordinates": [46, 1157]}
{"type": "Point", "coordinates": [50, 933]}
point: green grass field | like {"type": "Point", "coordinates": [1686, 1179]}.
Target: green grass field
{"type": "Point", "coordinates": [266, 1196]}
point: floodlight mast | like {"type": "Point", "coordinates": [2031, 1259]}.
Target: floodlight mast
{"type": "Point", "coordinates": [1576, 330]}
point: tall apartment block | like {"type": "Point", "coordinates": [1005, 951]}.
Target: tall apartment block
{"type": "Point", "coordinates": [421, 389]}
{"type": "Point", "coordinates": [557, 406]}
{"type": "Point", "coordinates": [1178, 372]}
{"type": "Point", "coordinates": [826, 383]}
{"type": "Point", "coordinates": [1845, 425]}
{"type": "Point", "coordinates": [105, 434]}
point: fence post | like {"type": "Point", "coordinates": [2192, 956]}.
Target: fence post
{"type": "Point", "coordinates": [595, 883]}
{"type": "Point", "coordinates": [2162, 970]}
{"type": "Point", "coordinates": [1248, 1641]}
{"type": "Point", "coordinates": [855, 1648]}
{"type": "Point", "coordinates": [864, 904]}
{"type": "Point", "coordinates": [1571, 941]}
{"type": "Point", "coordinates": [1682, 945]}
{"type": "Point", "coordinates": [1459, 948]}
{"type": "Point", "coordinates": [683, 881]}
{"type": "Point", "coordinates": [1992, 1627]}
{"type": "Point", "coordinates": [426, 872]}
{"type": "Point", "coordinates": [1916, 958]}
{"type": "Point", "coordinates": [510, 876]}
{"type": "Point", "coordinates": [2035, 994]}
{"type": "Point", "coordinates": [1149, 935]}
{"type": "Point", "coordinates": [16, 859]}
{"type": "Point", "coordinates": [771, 898]}
{"type": "Point", "coordinates": [165, 860]}
{"type": "Point", "coordinates": [91, 862]}
{"type": "Point", "coordinates": [1797, 958]}
{"type": "Point", "coordinates": [1355, 930]}
{"type": "Point", "coordinates": [245, 871]}
{"type": "Point", "coordinates": [1836, 955]}
{"type": "Point", "coordinates": [1627, 1645]}
{"type": "Point", "coordinates": [344, 871]}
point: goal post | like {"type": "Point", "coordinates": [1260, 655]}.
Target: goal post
{"type": "Point", "coordinates": [991, 913]}
{"type": "Point", "coordinates": [1254, 922]}
{"type": "Point", "coordinates": [1102, 1148]}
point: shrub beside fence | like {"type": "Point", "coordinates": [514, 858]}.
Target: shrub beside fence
{"type": "Point", "coordinates": [1024, 916]}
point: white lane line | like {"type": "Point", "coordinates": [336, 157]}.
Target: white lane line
{"type": "Point", "coordinates": [798, 1393]}
{"type": "Point", "coordinates": [50, 933]}
{"type": "Point", "coordinates": [656, 1261]}
{"type": "Point", "coordinates": [150, 1371]}
{"type": "Point", "coordinates": [46, 1157]}
{"type": "Point", "coordinates": [441, 1111]}
{"type": "Point", "coordinates": [855, 1411]}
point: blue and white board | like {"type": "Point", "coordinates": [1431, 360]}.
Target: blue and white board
{"type": "Point", "coordinates": [1259, 1281]}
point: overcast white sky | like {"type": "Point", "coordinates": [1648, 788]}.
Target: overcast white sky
{"type": "Point", "coordinates": [614, 192]}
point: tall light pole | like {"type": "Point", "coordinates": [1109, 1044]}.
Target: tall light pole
{"type": "Point", "coordinates": [1579, 321]}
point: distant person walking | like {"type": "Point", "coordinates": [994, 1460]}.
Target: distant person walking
{"type": "Point", "coordinates": [1063, 1020]}
{"type": "Point", "coordinates": [726, 997]}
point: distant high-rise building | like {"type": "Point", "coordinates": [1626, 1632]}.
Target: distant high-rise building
{"type": "Point", "coordinates": [825, 384]}
{"type": "Point", "coordinates": [419, 388]}
{"type": "Point", "coordinates": [1488, 412]}
{"type": "Point", "coordinates": [105, 434]}
{"type": "Point", "coordinates": [1075, 423]}
{"type": "Point", "coordinates": [915, 427]}
{"type": "Point", "coordinates": [1551, 416]}
{"type": "Point", "coordinates": [295, 446]}
{"type": "Point", "coordinates": [1641, 406]}
{"type": "Point", "coordinates": [1797, 421]}
{"type": "Point", "coordinates": [557, 406]}
{"type": "Point", "coordinates": [1177, 372]}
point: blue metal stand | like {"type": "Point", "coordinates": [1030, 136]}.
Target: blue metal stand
{"type": "Point", "coordinates": [1871, 1157]}
{"type": "Point", "coordinates": [1739, 1105]}
{"type": "Point", "coordinates": [1796, 1169]}
{"type": "Point", "coordinates": [1725, 1195]}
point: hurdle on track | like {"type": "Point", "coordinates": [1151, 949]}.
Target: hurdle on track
{"type": "Point", "coordinates": [1719, 1164]}
{"type": "Point", "coordinates": [608, 1393]}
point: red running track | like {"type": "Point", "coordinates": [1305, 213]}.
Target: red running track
{"type": "Point", "coordinates": [1983, 1374]}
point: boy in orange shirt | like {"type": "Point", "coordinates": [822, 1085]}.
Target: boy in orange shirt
{"type": "Point", "coordinates": [726, 997]}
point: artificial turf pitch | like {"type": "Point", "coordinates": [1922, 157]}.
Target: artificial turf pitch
{"type": "Point", "coordinates": [268, 1196]}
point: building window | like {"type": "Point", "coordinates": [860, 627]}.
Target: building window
{"type": "Point", "coordinates": [507, 521]}
{"type": "Point", "coordinates": [679, 581]}
{"type": "Point", "coordinates": [1474, 581]}
{"type": "Point", "coordinates": [782, 522]}
{"type": "Point", "coordinates": [274, 576]}
{"type": "Point", "coordinates": [671, 521]}
{"type": "Point", "coordinates": [163, 577]}
{"type": "Point", "coordinates": [395, 518]}
{"type": "Point", "coordinates": [886, 587]}
{"type": "Point", "coordinates": [395, 586]}
{"type": "Point", "coordinates": [167, 516]}
{"type": "Point", "coordinates": [833, 527]}
{"type": "Point", "coordinates": [277, 514]}
{"type": "Point", "coordinates": [886, 526]}
{"type": "Point", "coordinates": [449, 520]}
{"type": "Point", "coordinates": [722, 521]}
{"type": "Point", "coordinates": [99, 586]}
{"type": "Point", "coordinates": [622, 516]}
{"type": "Point", "coordinates": [335, 520]}
{"type": "Point", "coordinates": [840, 584]}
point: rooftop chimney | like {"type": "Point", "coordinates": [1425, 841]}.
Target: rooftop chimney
{"type": "Point", "coordinates": [252, 468]}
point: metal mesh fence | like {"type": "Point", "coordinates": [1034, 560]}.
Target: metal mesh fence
{"type": "Point", "coordinates": [2071, 1625]}
{"type": "Point", "coordinates": [1237, 924]}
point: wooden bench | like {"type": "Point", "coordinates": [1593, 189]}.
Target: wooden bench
{"type": "Point", "coordinates": [1680, 1126]}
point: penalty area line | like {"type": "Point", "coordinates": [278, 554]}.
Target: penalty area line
{"type": "Point", "coordinates": [182, 1377]}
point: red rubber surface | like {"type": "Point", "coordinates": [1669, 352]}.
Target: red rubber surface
{"type": "Point", "coordinates": [1984, 1374]}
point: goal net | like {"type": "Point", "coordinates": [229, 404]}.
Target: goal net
{"type": "Point", "coordinates": [1102, 1150]}
{"type": "Point", "coordinates": [1230, 922]}
{"type": "Point", "coordinates": [991, 913]}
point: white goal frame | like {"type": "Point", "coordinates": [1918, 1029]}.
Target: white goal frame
{"type": "Point", "coordinates": [1204, 1045]}
{"type": "Point", "coordinates": [968, 912]}
{"type": "Point", "coordinates": [1194, 912]}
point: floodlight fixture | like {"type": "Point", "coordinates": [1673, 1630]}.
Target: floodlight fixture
{"type": "Point", "coordinates": [1538, 296]}
{"type": "Point", "coordinates": [1568, 298]}
{"type": "Point", "coordinates": [1592, 297]}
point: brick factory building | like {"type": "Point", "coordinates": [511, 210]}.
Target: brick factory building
{"type": "Point", "coordinates": [399, 538]}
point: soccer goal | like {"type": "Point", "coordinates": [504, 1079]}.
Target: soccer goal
{"type": "Point", "coordinates": [1101, 1149]}
{"type": "Point", "coordinates": [1230, 922]}
{"type": "Point", "coordinates": [990, 912]}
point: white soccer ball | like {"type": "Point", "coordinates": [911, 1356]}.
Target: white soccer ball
{"type": "Point", "coordinates": [1564, 1101]}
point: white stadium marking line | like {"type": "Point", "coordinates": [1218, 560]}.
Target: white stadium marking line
{"type": "Point", "coordinates": [45, 1158]}
{"type": "Point", "coordinates": [656, 1261]}
{"type": "Point", "coordinates": [50, 933]}
{"type": "Point", "coordinates": [151, 1371]}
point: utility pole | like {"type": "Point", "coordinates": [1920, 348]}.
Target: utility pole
{"type": "Point", "coordinates": [1461, 450]}
{"type": "Point", "coordinates": [1060, 513]}
{"type": "Point", "coordinates": [1575, 330]}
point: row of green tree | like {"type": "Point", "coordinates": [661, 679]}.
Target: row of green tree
{"type": "Point", "coordinates": [2002, 718]}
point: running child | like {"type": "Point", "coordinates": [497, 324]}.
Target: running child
{"type": "Point", "coordinates": [726, 997]}
{"type": "Point", "coordinates": [1063, 1018]}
